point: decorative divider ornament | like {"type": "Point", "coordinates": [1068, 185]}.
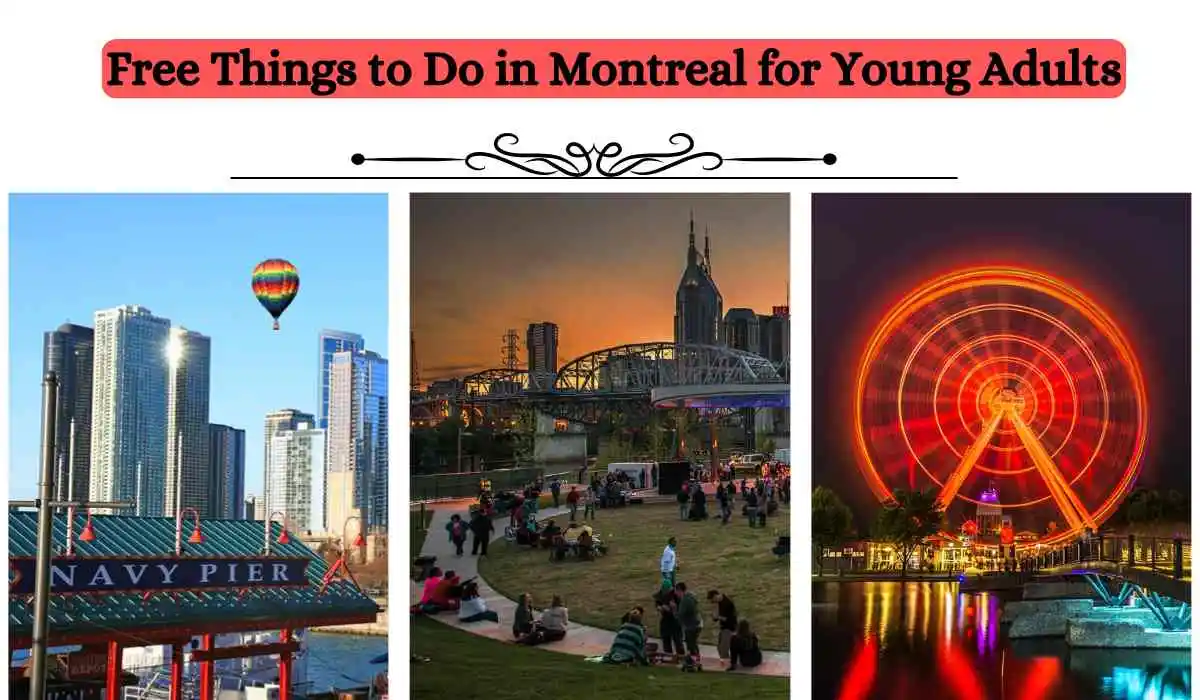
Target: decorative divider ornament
{"type": "Point", "coordinates": [607, 161]}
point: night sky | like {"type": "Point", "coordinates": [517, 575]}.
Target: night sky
{"type": "Point", "coordinates": [1128, 252]}
{"type": "Point", "coordinates": [603, 267]}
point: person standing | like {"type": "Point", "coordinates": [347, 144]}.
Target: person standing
{"type": "Point", "coordinates": [589, 504]}
{"type": "Point", "coordinates": [689, 619]}
{"type": "Point", "coordinates": [669, 630]}
{"type": "Point", "coordinates": [682, 498]}
{"type": "Point", "coordinates": [555, 489]}
{"type": "Point", "coordinates": [458, 533]}
{"type": "Point", "coordinates": [668, 563]}
{"type": "Point", "coordinates": [725, 615]}
{"type": "Point", "coordinates": [482, 528]}
{"type": "Point", "coordinates": [573, 501]}
{"type": "Point", "coordinates": [723, 501]}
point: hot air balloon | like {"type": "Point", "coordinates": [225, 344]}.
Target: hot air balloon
{"type": "Point", "coordinates": [275, 283]}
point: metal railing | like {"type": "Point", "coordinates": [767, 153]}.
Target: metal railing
{"type": "Point", "coordinates": [1170, 557]}
{"type": "Point", "coordinates": [432, 487]}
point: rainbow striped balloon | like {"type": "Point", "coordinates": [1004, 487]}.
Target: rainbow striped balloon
{"type": "Point", "coordinates": [275, 283]}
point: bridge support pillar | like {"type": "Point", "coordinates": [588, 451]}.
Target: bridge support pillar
{"type": "Point", "coordinates": [1177, 569]}
{"type": "Point", "coordinates": [1132, 559]}
{"type": "Point", "coordinates": [714, 451]}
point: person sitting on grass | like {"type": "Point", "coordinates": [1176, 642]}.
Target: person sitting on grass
{"type": "Point", "coordinates": [549, 533]}
{"type": "Point", "coordinates": [585, 546]}
{"type": "Point", "coordinates": [743, 648]}
{"type": "Point", "coordinates": [550, 627]}
{"type": "Point", "coordinates": [472, 607]}
{"type": "Point", "coordinates": [446, 594]}
{"type": "Point", "coordinates": [527, 533]}
{"type": "Point", "coordinates": [523, 619]}
{"type": "Point", "coordinates": [431, 583]}
{"type": "Point", "coordinates": [629, 646]}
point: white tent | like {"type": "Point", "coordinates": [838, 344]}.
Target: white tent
{"type": "Point", "coordinates": [639, 472]}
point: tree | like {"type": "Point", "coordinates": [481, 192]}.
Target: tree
{"type": "Point", "coordinates": [832, 524]}
{"type": "Point", "coordinates": [904, 524]}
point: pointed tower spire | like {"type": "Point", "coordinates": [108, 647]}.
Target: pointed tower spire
{"type": "Point", "coordinates": [707, 258]}
{"type": "Point", "coordinates": [691, 228]}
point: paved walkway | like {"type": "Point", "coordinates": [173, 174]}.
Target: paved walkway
{"type": "Point", "coordinates": [581, 640]}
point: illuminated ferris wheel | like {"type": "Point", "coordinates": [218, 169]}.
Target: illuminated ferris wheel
{"type": "Point", "coordinates": [1003, 376]}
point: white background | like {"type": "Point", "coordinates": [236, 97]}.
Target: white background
{"type": "Point", "coordinates": [61, 133]}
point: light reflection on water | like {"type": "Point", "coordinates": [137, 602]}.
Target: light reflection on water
{"type": "Point", "coordinates": [925, 640]}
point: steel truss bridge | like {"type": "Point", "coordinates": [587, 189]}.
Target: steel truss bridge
{"type": "Point", "coordinates": [622, 378]}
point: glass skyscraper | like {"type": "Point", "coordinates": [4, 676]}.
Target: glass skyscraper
{"type": "Point", "coordinates": [227, 471]}
{"type": "Point", "coordinates": [357, 440]}
{"type": "Point", "coordinates": [277, 422]}
{"type": "Point", "coordinates": [189, 360]}
{"type": "Point", "coordinates": [332, 342]}
{"type": "Point", "coordinates": [295, 477]}
{"type": "Point", "coordinates": [129, 408]}
{"type": "Point", "coordinates": [67, 352]}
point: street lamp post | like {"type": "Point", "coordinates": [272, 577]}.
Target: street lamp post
{"type": "Point", "coordinates": [41, 586]}
{"type": "Point", "coordinates": [283, 536]}
{"type": "Point", "coordinates": [45, 506]}
{"type": "Point", "coordinates": [197, 536]}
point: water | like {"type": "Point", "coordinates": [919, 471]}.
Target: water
{"type": "Point", "coordinates": [343, 660]}
{"type": "Point", "coordinates": [925, 640]}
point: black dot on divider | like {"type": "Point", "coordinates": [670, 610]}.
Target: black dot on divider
{"type": "Point", "coordinates": [829, 159]}
{"type": "Point", "coordinates": [359, 159]}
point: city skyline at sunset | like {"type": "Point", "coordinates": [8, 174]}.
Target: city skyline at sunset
{"type": "Point", "coordinates": [604, 268]}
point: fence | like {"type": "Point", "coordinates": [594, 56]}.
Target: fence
{"type": "Point", "coordinates": [431, 487]}
{"type": "Point", "coordinates": [1167, 556]}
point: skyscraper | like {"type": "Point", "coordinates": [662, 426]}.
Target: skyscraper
{"type": "Point", "coordinates": [541, 342]}
{"type": "Point", "coordinates": [357, 440]}
{"type": "Point", "coordinates": [67, 352]}
{"type": "Point", "coordinates": [697, 301]}
{"type": "Point", "coordinates": [742, 330]}
{"type": "Point", "coordinates": [129, 408]}
{"type": "Point", "coordinates": [776, 335]}
{"type": "Point", "coordinates": [332, 342]}
{"type": "Point", "coordinates": [295, 477]}
{"type": "Point", "coordinates": [227, 471]}
{"type": "Point", "coordinates": [189, 360]}
{"type": "Point", "coordinates": [283, 419]}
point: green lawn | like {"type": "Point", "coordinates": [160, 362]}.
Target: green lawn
{"type": "Point", "coordinates": [463, 666]}
{"type": "Point", "coordinates": [733, 558]}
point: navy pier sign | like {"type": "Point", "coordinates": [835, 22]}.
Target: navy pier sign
{"type": "Point", "coordinates": [158, 574]}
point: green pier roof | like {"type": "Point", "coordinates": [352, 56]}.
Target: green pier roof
{"type": "Point", "coordinates": [136, 620]}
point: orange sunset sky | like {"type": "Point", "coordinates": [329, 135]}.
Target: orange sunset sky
{"type": "Point", "coordinates": [603, 267]}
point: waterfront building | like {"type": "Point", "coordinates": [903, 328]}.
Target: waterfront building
{"type": "Point", "coordinates": [188, 484]}
{"type": "Point", "coordinates": [129, 408]}
{"type": "Point", "coordinates": [278, 421]}
{"type": "Point", "coordinates": [332, 342]}
{"type": "Point", "coordinates": [357, 440]}
{"type": "Point", "coordinates": [227, 471]}
{"type": "Point", "coordinates": [67, 351]}
{"type": "Point", "coordinates": [295, 477]}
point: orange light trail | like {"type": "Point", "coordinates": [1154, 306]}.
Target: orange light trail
{"type": "Point", "coordinates": [895, 325]}
{"type": "Point", "coordinates": [1055, 322]}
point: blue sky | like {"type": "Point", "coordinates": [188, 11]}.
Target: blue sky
{"type": "Point", "coordinates": [189, 258]}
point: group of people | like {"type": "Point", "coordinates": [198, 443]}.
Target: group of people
{"type": "Point", "coordinates": [681, 622]}
{"type": "Point", "coordinates": [760, 500]}
{"type": "Point", "coordinates": [577, 539]}
{"type": "Point", "coordinates": [446, 592]}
